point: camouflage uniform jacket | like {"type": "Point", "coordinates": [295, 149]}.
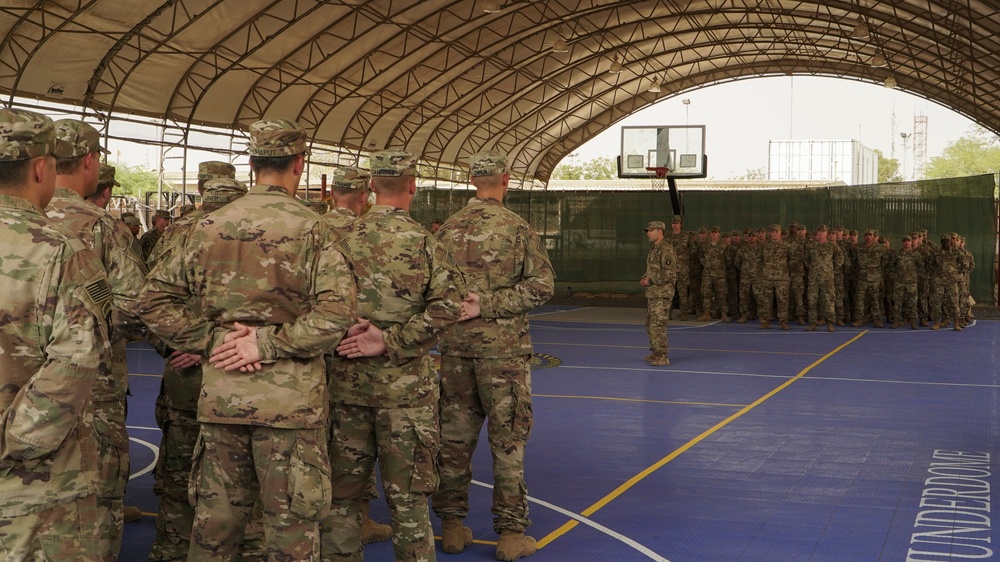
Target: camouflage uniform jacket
{"type": "Point", "coordinates": [871, 262]}
{"type": "Point", "coordinates": [797, 257]}
{"type": "Point", "coordinates": [904, 266]}
{"type": "Point", "coordinates": [125, 270]}
{"type": "Point", "coordinates": [683, 245]}
{"type": "Point", "coordinates": [713, 258]}
{"type": "Point", "coordinates": [172, 235]}
{"type": "Point", "coordinates": [776, 257]}
{"type": "Point", "coordinates": [951, 265]}
{"type": "Point", "coordinates": [407, 288]}
{"type": "Point", "coordinates": [340, 218]}
{"type": "Point", "coordinates": [660, 270]}
{"type": "Point", "coordinates": [750, 260]}
{"type": "Point", "coordinates": [56, 300]}
{"type": "Point", "coordinates": [822, 259]}
{"type": "Point", "coordinates": [267, 261]}
{"type": "Point", "coordinates": [147, 242]}
{"type": "Point", "coordinates": [731, 270]}
{"type": "Point", "coordinates": [503, 261]}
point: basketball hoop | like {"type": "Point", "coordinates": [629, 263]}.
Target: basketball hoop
{"type": "Point", "coordinates": [659, 180]}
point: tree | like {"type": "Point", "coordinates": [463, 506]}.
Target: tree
{"type": "Point", "coordinates": [888, 168]}
{"type": "Point", "coordinates": [600, 168]}
{"type": "Point", "coordinates": [754, 175]}
{"type": "Point", "coordinates": [977, 152]}
{"type": "Point", "coordinates": [134, 179]}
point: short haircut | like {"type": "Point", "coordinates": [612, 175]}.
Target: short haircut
{"type": "Point", "coordinates": [14, 174]}
{"type": "Point", "coordinates": [272, 163]}
{"type": "Point", "coordinates": [347, 191]}
{"type": "Point", "coordinates": [391, 184]}
{"type": "Point", "coordinates": [488, 182]}
{"type": "Point", "coordinates": [69, 166]}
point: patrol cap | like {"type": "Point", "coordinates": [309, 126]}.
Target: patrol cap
{"type": "Point", "coordinates": [870, 231]}
{"type": "Point", "coordinates": [853, 232]}
{"type": "Point", "coordinates": [161, 214]}
{"type": "Point", "coordinates": [676, 220]}
{"type": "Point", "coordinates": [775, 227]}
{"type": "Point", "coordinates": [349, 177]}
{"type": "Point", "coordinates": [393, 163]}
{"type": "Point", "coordinates": [107, 176]}
{"type": "Point", "coordinates": [907, 238]}
{"type": "Point", "coordinates": [213, 169]}
{"type": "Point", "coordinates": [276, 137]}
{"type": "Point", "coordinates": [725, 235]}
{"type": "Point", "coordinates": [703, 230]}
{"type": "Point", "coordinates": [737, 232]}
{"type": "Point", "coordinates": [488, 163]}
{"type": "Point", "coordinates": [76, 138]}
{"type": "Point", "coordinates": [131, 220]}
{"type": "Point", "coordinates": [821, 227]}
{"type": "Point", "coordinates": [223, 190]}
{"type": "Point", "coordinates": [655, 224]}
{"type": "Point", "coordinates": [25, 135]}
{"type": "Point", "coordinates": [716, 229]}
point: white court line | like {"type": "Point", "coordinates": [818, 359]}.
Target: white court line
{"type": "Point", "coordinates": [156, 455]}
{"type": "Point", "coordinates": [613, 534]}
{"type": "Point", "coordinates": [140, 427]}
{"type": "Point", "coordinates": [891, 381]}
{"type": "Point", "coordinates": [537, 314]}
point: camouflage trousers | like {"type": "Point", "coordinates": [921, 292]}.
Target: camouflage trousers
{"type": "Point", "coordinates": [904, 302]}
{"type": "Point", "coordinates": [797, 295]}
{"type": "Point", "coordinates": [773, 296]}
{"type": "Point", "coordinates": [404, 441]}
{"type": "Point", "coordinates": [695, 279]}
{"type": "Point", "coordinates": [733, 294]}
{"type": "Point", "coordinates": [748, 304]}
{"type": "Point", "coordinates": [657, 319]}
{"type": "Point", "coordinates": [682, 288]}
{"type": "Point", "coordinates": [238, 469]}
{"type": "Point", "coordinates": [473, 389]}
{"type": "Point", "coordinates": [840, 300]}
{"type": "Point", "coordinates": [944, 302]}
{"type": "Point", "coordinates": [69, 532]}
{"type": "Point", "coordinates": [868, 301]}
{"type": "Point", "coordinates": [113, 466]}
{"type": "Point", "coordinates": [714, 286]}
{"type": "Point", "coordinates": [923, 296]}
{"type": "Point", "coordinates": [821, 297]}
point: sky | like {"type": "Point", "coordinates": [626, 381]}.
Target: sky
{"type": "Point", "coordinates": [742, 116]}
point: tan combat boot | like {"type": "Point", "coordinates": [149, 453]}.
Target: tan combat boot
{"type": "Point", "coordinates": [514, 546]}
{"type": "Point", "coordinates": [683, 317]}
{"type": "Point", "coordinates": [704, 317]}
{"type": "Point", "coordinates": [784, 325]}
{"type": "Point", "coordinates": [660, 361]}
{"type": "Point", "coordinates": [811, 327]}
{"type": "Point", "coordinates": [372, 531]}
{"type": "Point", "coordinates": [454, 536]}
{"type": "Point", "coordinates": [913, 324]}
{"type": "Point", "coordinates": [936, 326]}
{"type": "Point", "coordinates": [725, 318]}
{"type": "Point", "coordinates": [741, 319]}
{"type": "Point", "coordinates": [800, 320]}
{"type": "Point", "coordinates": [765, 325]}
{"type": "Point", "coordinates": [829, 327]}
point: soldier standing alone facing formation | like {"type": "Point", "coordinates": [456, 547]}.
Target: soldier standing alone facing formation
{"type": "Point", "coordinates": [485, 359]}
{"type": "Point", "coordinates": [659, 283]}
{"type": "Point", "coordinates": [260, 289]}
{"type": "Point", "coordinates": [56, 300]}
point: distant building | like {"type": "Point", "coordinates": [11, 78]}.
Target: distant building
{"type": "Point", "coordinates": [846, 161]}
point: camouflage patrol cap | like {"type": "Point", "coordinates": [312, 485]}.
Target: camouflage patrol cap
{"type": "Point", "coordinates": [271, 138]}
{"type": "Point", "coordinates": [161, 214]}
{"type": "Point", "coordinates": [737, 232]}
{"type": "Point", "coordinates": [853, 232]}
{"type": "Point", "coordinates": [318, 206]}
{"type": "Point", "coordinates": [25, 135]}
{"type": "Point", "coordinates": [107, 176]}
{"type": "Point", "coordinates": [703, 230]}
{"type": "Point", "coordinates": [220, 191]}
{"type": "Point", "coordinates": [775, 227]}
{"type": "Point", "coordinates": [349, 177]}
{"type": "Point", "coordinates": [488, 163]}
{"type": "Point", "coordinates": [131, 220]}
{"type": "Point", "coordinates": [214, 169]}
{"type": "Point", "coordinates": [76, 138]}
{"type": "Point", "coordinates": [716, 229]}
{"type": "Point", "coordinates": [821, 227]}
{"type": "Point", "coordinates": [676, 220]}
{"type": "Point", "coordinates": [725, 235]}
{"type": "Point", "coordinates": [907, 238]}
{"type": "Point", "coordinates": [652, 225]}
{"type": "Point", "coordinates": [393, 163]}
{"type": "Point", "coordinates": [870, 231]}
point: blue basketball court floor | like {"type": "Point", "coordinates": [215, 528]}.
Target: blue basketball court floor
{"type": "Point", "coordinates": [753, 445]}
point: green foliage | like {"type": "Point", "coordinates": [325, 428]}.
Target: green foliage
{"type": "Point", "coordinates": [135, 179]}
{"type": "Point", "coordinates": [977, 152]}
{"type": "Point", "coordinates": [888, 168]}
{"type": "Point", "coordinates": [600, 168]}
{"type": "Point", "coordinates": [754, 175]}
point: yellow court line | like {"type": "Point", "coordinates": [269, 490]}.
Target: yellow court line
{"type": "Point", "coordinates": [533, 395]}
{"type": "Point", "coordinates": [535, 342]}
{"type": "Point", "coordinates": [677, 452]}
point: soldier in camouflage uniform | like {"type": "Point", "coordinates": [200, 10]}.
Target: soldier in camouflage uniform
{"type": "Point", "coordinates": [485, 360]}
{"type": "Point", "coordinates": [775, 277]}
{"type": "Point", "coordinates": [387, 408]}
{"type": "Point", "coordinates": [849, 247]}
{"type": "Point", "coordinates": [349, 195]}
{"type": "Point", "coordinates": [258, 287]}
{"type": "Point", "coordinates": [903, 268]}
{"type": "Point", "coordinates": [133, 224]}
{"type": "Point", "coordinates": [78, 169]}
{"type": "Point", "coordinates": [659, 283]}
{"type": "Point", "coordinates": [177, 403]}
{"type": "Point", "coordinates": [822, 257]}
{"type": "Point", "coordinates": [797, 273]}
{"type": "Point", "coordinates": [964, 294]}
{"type": "Point", "coordinates": [950, 267]}
{"type": "Point", "coordinates": [749, 261]}
{"type": "Point", "coordinates": [48, 452]}
{"type": "Point", "coordinates": [923, 279]}
{"type": "Point", "coordinates": [713, 277]}
{"type": "Point", "coordinates": [733, 273]}
{"type": "Point", "coordinates": [683, 245]}
{"type": "Point", "coordinates": [147, 242]}
{"type": "Point", "coordinates": [105, 185]}
{"type": "Point", "coordinates": [695, 272]}
{"type": "Point", "coordinates": [872, 258]}
{"type": "Point", "coordinates": [839, 237]}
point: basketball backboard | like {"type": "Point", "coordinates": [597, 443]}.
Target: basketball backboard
{"type": "Point", "coordinates": [681, 148]}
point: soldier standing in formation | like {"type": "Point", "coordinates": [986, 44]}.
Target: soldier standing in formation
{"type": "Point", "coordinates": [659, 283]}
{"type": "Point", "coordinates": [260, 285]}
{"type": "Point", "coordinates": [904, 267]}
{"type": "Point", "coordinates": [49, 465]}
{"type": "Point", "coordinates": [822, 257]}
{"type": "Point", "coordinates": [713, 276]}
{"type": "Point", "coordinates": [871, 263]}
{"type": "Point", "coordinates": [749, 261]}
{"type": "Point", "coordinates": [683, 244]}
{"type": "Point", "coordinates": [773, 293]}
{"type": "Point", "coordinates": [485, 359]}
{"type": "Point", "coordinates": [384, 399]}
{"type": "Point", "coordinates": [77, 173]}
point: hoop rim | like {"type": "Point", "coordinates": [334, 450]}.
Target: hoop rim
{"type": "Point", "coordinates": [660, 171]}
